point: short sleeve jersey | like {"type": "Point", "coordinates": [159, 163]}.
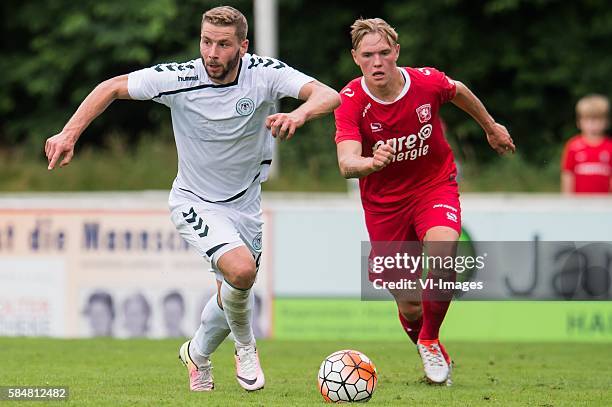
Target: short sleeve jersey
{"type": "Point", "coordinates": [591, 165]}
{"type": "Point", "coordinates": [222, 143]}
{"type": "Point", "coordinates": [411, 125]}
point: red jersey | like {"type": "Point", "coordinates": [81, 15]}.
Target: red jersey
{"type": "Point", "coordinates": [411, 125]}
{"type": "Point", "coordinates": [591, 165]}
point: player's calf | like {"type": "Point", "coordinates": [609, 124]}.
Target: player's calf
{"type": "Point", "coordinates": [410, 313]}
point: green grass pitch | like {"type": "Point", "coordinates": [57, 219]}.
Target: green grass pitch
{"type": "Point", "coordinates": [148, 373]}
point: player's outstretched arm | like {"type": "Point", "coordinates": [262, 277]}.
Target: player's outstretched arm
{"type": "Point", "coordinates": [497, 135]}
{"type": "Point", "coordinates": [353, 165]}
{"type": "Point", "coordinates": [319, 100]}
{"type": "Point", "coordinates": [62, 144]}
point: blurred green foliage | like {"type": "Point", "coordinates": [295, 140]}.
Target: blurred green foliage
{"type": "Point", "coordinates": [151, 163]}
{"type": "Point", "coordinates": [529, 61]}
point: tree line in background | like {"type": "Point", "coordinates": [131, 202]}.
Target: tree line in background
{"type": "Point", "coordinates": [529, 61]}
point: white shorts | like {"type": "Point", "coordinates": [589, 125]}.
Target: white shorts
{"type": "Point", "coordinates": [213, 229]}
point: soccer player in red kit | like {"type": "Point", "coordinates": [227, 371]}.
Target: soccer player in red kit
{"type": "Point", "coordinates": [389, 135]}
{"type": "Point", "coordinates": [586, 164]}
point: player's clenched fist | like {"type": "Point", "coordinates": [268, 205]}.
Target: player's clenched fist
{"type": "Point", "coordinates": [382, 157]}
{"type": "Point", "coordinates": [56, 146]}
{"type": "Point", "coordinates": [499, 139]}
{"type": "Point", "coordinates": [283, 125]}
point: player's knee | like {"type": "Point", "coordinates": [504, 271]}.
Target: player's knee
{"type": "Point", "coordinates": [242, 274]}
{"type": "Point", "coordinates": [238, 267]}
{"type": "Point", "coordinates": [441, 234]}
{"type": "Point", "coordinates": [442, 249]}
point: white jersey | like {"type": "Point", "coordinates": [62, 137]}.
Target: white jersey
{"type": "Point", "coordinates": [222, 143]}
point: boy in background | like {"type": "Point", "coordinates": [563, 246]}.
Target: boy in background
{"type": "Point", "coordinates": [586, 163]}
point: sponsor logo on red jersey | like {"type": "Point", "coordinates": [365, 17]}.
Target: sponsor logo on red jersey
{"type": "Point", "coordinates": [408, 147]}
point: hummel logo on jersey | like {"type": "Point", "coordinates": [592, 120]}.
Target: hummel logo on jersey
{"type": "Point", "coordinates": [424, 113]}
{"type": "Point", "coordinates": [257, 61]}
{"type": "Point", "coordinates": [348, 92]}
{"type": "Point", "coordinates": [173, 67]}
{"type": "Point", "coordinates": [376, 127]}
{"type": "Point", "coordinates": [188, 78]}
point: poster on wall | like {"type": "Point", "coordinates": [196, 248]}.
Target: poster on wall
{"type": "Point", "coordinates": [32, 296]}
{"type": "Point", "coordinates": [102, 272]}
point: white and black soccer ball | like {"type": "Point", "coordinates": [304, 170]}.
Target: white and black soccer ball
{"type": "Point", "coordinates": [347, 376]}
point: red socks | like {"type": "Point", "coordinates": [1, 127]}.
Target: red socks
{"type": "Point", "coordinates": [428, 326]}
{"type": "Point", "coordinates": [433, 315]}
{"type": "Point", "coordinates": [412, 328]}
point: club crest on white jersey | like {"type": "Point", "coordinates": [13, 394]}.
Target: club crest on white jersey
{"type": "Point", "coordinates": [245, 107]}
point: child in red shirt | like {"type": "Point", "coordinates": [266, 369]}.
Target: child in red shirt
{"type": "Point", "coordinates": [586, 164]}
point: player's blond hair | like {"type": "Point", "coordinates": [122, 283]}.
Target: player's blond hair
{"type": "Point", "coordinates": [593, 105]}
{"type": "Point", "coordinates": [227, 16]}
{"type": "Point", "coordinates": [363, 26]}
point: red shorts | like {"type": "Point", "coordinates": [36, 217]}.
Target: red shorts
{"type": "Point", "coordinates": [437, 206]}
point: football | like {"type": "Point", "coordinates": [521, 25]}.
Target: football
{"type": "Point", "coordinates": [347, 376]}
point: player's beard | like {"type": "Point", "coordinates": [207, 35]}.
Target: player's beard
{"type": "Point", "coordinates": [225, 69]}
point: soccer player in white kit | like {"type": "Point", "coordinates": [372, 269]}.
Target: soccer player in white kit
{"type": "Point", "coordinates": [223, 116]}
